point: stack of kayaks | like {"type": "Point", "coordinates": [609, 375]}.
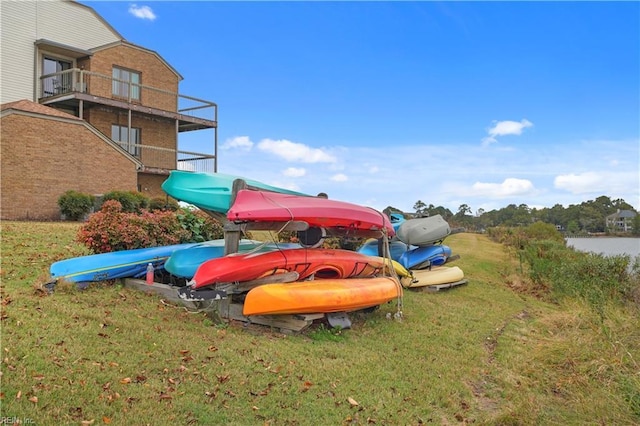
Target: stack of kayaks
{"type": "Point", "coordinates": [280, 278]}
{"type": "Point", "coordinates": [418, 246]}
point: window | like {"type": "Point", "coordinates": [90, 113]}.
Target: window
{"type": "Point", "coordinates": [57, 84]}
{"type": "Point", "coordinates": [126, 84]}
{"type": "Point", "coordinates": [131, 142]}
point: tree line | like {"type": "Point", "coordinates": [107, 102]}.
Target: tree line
{"type": "Point", "coordinates": [586, 217]}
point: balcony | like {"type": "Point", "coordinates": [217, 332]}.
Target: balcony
{"type": "Point", "coordinates": [77, 89]}
{"type": "Point", "coordinates": [158, 160]}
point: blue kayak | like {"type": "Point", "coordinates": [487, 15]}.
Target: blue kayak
{"type": "Point", "coordinates": [396, 248]}
{"type": "Point", "coordinates": [183, 263]}
{"type": "Point", "coordinates": [423, 257]}
{"type": "Point", "coordinates": [396, 220]}
{"type": "Point", "coordinates": [210, 191]}
{"type": "Point", "coordinates": [109, 266]}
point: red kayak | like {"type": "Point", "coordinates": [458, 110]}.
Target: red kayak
{"type": "Point", "coordinates": [262, 206]}
{"type": "Point", "coordinates": [321, 263]}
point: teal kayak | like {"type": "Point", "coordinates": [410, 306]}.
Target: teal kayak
{"type": "Point", "coordinates": [210, 191]}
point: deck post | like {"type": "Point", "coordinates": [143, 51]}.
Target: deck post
{"type": "Point", "coordinates": [232, 234]}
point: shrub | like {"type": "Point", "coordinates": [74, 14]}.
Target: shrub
{"type": "Point", "coordinates": [131, 201]}
{"type": "Point", "coordinates": [199, 225]}
{"type": "Point", "coordinates": [75, 205]}
{"type": "Point", "coordinates": [163, 204]}
{"type": "Point", "coordinates": [543, 231]}
{"type": "Point", "coordinates": [112, 229]}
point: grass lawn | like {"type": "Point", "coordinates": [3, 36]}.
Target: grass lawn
{"type": "Point", "coordinates": [481, 353]}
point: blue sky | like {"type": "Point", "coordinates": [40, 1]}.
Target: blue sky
{"type": "Point", "coordinates": [387, 103]}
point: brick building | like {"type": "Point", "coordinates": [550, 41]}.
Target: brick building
{"type": "Point", "coordinates": [84, 109]}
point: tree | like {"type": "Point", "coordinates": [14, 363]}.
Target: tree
{"type": "Point", "coordinates": [420, 208]}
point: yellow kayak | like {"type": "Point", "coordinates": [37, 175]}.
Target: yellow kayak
{"type": "Point", "coordinates": [401, 271]}
{"type": "Point", "coordinates": [434, 276]}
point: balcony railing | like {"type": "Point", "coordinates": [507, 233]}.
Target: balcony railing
{"type": "Point", "coordinates": [74, 86]}
{"type": "Point", "coordinates": [161, 160]}
{"type": "Point", "coordinates": [104, 86]}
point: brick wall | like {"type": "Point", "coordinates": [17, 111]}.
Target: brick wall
{"type": "Point", "coordinates": [154, 72]}
{"type": "Point", "coordinates": [150, 185]}
{"type": "Point", "coordinates": [154, 131]}
{"type": "Point", "coordinates": [41, 158]}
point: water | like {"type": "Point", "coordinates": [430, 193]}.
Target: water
{"type": "Point", "coordinates": [607, 246]}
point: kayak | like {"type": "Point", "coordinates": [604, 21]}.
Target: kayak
{"type": "Point", "coordinates": [113, 265]}
{"type": "Point", "coordinates": [434, 276]}
{"type": "Point", "coordinates": [183, 263]}
{"type": "Point", "coordinates": [396, 248]}
{"type": "Point", "coordinates": [210, 191]}
{"type": "Point", "coordinates": [422, 257]}
{"type": "Point", "coordinates": [320, 263]}
{"type": "Point", "coordinates": [262, 206]}
{"type": "Point", "coordinates": [423, 231]}
{"type": "Point", "coordinates": [321, 296]}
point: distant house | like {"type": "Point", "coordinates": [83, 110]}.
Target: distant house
{"type": "Point", "coordinates": [84, 109]}
{"type": "Point", "coordinates": [621, 221]}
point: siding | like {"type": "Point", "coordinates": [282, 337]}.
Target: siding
{"type": "Point", "coordinates": [42, 157]}
{"type": "Point", "coordinates": [24, 22]}
{"type": "Point", "coordinates": [17, 54]}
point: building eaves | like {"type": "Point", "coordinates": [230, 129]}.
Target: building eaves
{"type": "Point", "coordinates": [63, 48]}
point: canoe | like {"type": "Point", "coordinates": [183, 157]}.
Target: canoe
{"type": "Point", "coordinates": [423, 231]}
{"type": "Point", "coordinates": [422, 257]}
{"type": "Point", "coordinates": [183, 263]}
{"type": "Point", "coordinates": [209, 191]}
{"type": "Point", "coordinates": [396, 248]}
{"type": "Point", "coordinates": [321, 263]}
{"type": "Point", "coordinates": [321, 296]}
{"type": "Point", "coordinates": [108, 266]}
{"type": "Point", "coordinates": [434, 276]}
{"type": "Point", "coordinates": [261, 206]}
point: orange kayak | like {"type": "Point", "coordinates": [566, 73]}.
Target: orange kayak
{"type": "Point", "coordinates": [322, 263]}
{"type": "Point", "coordinates": [321, 296]}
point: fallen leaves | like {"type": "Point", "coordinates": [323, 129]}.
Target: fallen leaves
{"type": "Point", "coordinates": [306, 386]}
{"type": "Point", "coordinates": [224, 378]}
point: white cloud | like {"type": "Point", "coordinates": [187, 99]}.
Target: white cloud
{"type": "Point", "coordinates": [504, 128]}
{"type": "Point", "coordinates": [580, 183]}
{"type": "Point", "coordinates": [509, 187]}
{"type": "Point", "coordinates": [240, 142]}
{"type": "Point", "coordinates": [293, 151]}
{"type": "Point", "coordinates": [294, 172]}
{"type": "Point", "coordinates": [374, 169]}
{"type": "Point", "coordinates": [142, 12]}
{"type": "Point", "coordinates": [340, 177]}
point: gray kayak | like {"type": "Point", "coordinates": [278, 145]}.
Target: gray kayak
{"type": "Point", "coordinates": [423, 231]}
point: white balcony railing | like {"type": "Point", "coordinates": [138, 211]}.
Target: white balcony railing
{"type": "Point", "coordinates": [162, 159]}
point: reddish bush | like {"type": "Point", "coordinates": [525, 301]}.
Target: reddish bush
{"type": "Point", "coordinates": [111, 229]}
